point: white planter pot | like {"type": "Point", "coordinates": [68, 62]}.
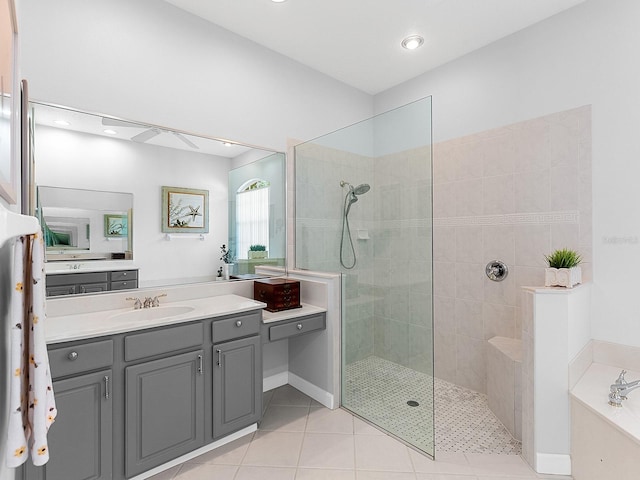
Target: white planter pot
{"type": "Point", "coordinates": [227, 270]}
{"type": "Point", "coordinates": [562, 277]}
{"type": "Point", "coordinates": [258, 254]}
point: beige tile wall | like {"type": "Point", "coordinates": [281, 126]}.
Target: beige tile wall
{"type": "Point", "coordinates": [513, 193]}
{"type": "Point", "coordinates": [387, 296]}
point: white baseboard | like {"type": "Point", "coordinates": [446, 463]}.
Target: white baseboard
{"type": "Point", "coordinates": [196, 453]}
{"type": "Point", "coordinates": [319, 395]}
{"type": "Point", "coordinates": [553, 464]}
{"type": "Point", "coordinates": [275, 381]}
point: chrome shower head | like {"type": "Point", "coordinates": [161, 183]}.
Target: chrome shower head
{"type": "Point", "coordinates": [361, 189]}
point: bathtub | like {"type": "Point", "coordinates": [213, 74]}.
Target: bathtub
{"type": "Point", "coordinates": [605, 440]}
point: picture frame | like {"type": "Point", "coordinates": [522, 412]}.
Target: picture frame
{"type": "Point", "coordinates": [10, 104]}
{"type": "Point", "coordinates": [185, 210]}
{"type": "Point", "coordinates": [116, 225]}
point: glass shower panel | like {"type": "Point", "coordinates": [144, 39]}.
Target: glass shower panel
{"type": "Point", "coordinates": [363, 208]}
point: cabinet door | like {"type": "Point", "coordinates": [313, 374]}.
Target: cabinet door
{"type": "Point", "coordinates": [164, 410]}
{"type": "Point", "coordinates": [56, 291]}
{"type": "Point", "coordinates": [80, 444]}
{"type": "Point", "coordinates": [237, 385]}
{"type": "Point", "coordinates": [93, 287]}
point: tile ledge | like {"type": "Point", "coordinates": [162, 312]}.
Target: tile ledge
{"type": "Point", "coordinates": [556, 290]}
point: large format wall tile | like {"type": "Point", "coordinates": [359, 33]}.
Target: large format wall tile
{"type": "Point", "coordinates": [513, 193]}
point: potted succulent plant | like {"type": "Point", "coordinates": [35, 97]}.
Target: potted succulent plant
{"type": "Point", "coordinates": [227, 258]}
{"type": "Point", "coordinates": [258, 251]}
{"type": "Point", "coordinates": [564, 269]}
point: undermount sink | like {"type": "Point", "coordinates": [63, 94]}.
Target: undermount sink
{"type": "Point", "coordinates": [153, 313]}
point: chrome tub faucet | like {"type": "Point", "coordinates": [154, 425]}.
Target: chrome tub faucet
{"type": "Point", "coordinates": [619, 390]}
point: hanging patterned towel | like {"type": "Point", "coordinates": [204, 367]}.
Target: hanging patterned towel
{"type": "Point", "coordinates": [32, 405]}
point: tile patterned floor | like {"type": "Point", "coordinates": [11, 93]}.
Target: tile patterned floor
{"type": "Point", "coordinates": [299, 439]}
{"type": "Point", "coordinates": [378, 390]}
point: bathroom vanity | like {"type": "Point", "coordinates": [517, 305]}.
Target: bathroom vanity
{"type": "Point", "coordinates": [134, 393]}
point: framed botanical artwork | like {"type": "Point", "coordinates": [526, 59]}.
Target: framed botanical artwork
{"type": "Point", "coordinates": [185, 210]}
{"type": "Point", "coordinates": [116, 225]}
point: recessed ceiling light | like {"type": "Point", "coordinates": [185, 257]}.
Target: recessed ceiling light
{"type": "Point", "coordinates": [412, 42]}
{"type": "Point", "coordinates": [64, 123]}
{"type": "Point", "coordinates": [110, 131]}
{"type": "Point", "coordinates": [278, 1]}
{"type": "Point", "coordinates": [227, 144]}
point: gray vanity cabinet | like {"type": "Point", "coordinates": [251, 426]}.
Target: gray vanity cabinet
{"type": "Point", "coordinates": [164, 410]}
{"type": "Point", "coordinates": [90, 282]}
{"type": "Point", "coordinates": [237, 385]}
{"type": "Point", "coordinates": [132, 401]}
{"type": "Point", "coordinates": [80, 439]}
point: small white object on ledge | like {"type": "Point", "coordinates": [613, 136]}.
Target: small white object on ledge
{"type": "Point", "coordinates": [170, 236]}
{"type": "Point", "coordinates": [562, 277]}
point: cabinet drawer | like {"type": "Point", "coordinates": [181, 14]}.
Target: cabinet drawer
{"type": "Point", "coordinates": [120, 275]}
{"type": "Point", "coordinates": [162, 341]}
{"type": "Point", "coordinates": [75, 278]}
{"type": "Point", "coordinates": [236, 327]}
{"type": "Point", "coordinates": [124, 285]}
{"type": "Point", "coordinates": [297, 327]}
{"type": "Point", "coordinates": [80, 358]}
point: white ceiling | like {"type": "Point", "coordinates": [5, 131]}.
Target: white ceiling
{"type": "Point", "coordinates": [358, 41]}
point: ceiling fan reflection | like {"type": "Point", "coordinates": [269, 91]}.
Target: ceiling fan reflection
{"type": "Point", "coordinates": [147, 134]}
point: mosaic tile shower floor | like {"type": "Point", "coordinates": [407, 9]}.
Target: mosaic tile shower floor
{"type": "Point", "coordinates": [378, 390]}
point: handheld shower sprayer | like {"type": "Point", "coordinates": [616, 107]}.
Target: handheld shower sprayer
{"type": "Point", "coordinates": [350, 198]}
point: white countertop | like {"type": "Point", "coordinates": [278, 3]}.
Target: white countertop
{"type": "Point", "coordinates": [593, 389]}
{"type": "Point", "coordinates": [64, 267]}
{"type": "Point", "coordinates": [270, 317]}
{"type": "Point", "coordinates": [81, 326]}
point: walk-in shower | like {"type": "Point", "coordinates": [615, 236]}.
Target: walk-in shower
{"type": "Point", "coordinates": [349, 199]}
{"type": "Point", "coordinates": [377, 233]}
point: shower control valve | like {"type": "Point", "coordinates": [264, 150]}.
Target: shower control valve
{"type": "Point", "coordinates": [496, 270]}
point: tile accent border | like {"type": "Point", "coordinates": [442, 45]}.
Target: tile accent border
{"type": "Point", "coordinates": [537, 218]}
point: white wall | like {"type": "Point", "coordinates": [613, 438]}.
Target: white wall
{"type": "Point", "coordinates": [78, 160]}
{"type": "Point", "coordinates": [147, 60]}
{"type": "Point", "coordinates": [581, 56]}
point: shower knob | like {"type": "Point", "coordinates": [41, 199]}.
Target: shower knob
{"type": "Point", "coordinates": [496, 270]}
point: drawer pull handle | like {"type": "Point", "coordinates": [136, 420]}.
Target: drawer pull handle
{"type": "Point", "coordinates": [219, 357]}
{"type": "Point", "coordinates": [106, 387]}
{"type": "Point", "coordinates": [299, 326]}
{"type": "Point", "coordinates": [239, 323]}
{"type": "Point", "coordinates": [200, 365]}
{"type": "Point", "coordinates": [72, 356]}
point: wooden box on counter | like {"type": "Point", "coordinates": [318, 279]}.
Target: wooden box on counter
{"type": "Point", "coordinates": [278, 293]}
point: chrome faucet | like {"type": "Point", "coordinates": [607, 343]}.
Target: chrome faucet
{"type": "Point", "coordinates": [156, 302]}
{"type": "Point", "coordinates": [148, 302]}
{"type": "Point", "coordinates": [619, 390]}
{"type": "Point", "coordinates": [137, 304]}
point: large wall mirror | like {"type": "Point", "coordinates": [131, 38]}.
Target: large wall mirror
{"type": "Point", "coordinates": [99, 183]}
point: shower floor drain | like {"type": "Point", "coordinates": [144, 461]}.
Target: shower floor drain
{"type": "Point", "coordinates": [412, 403]}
